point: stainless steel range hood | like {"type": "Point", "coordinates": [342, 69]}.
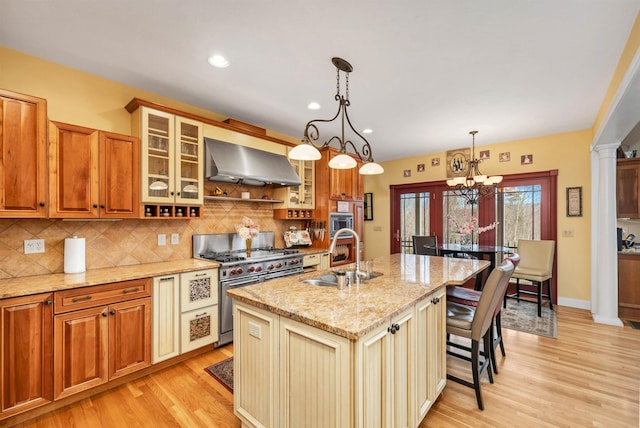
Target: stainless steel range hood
{"type": "Point", "coordinates": [233, 163]}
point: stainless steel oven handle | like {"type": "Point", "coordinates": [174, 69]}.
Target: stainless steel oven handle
{"type": "Point", "coordinates": [242, 281]}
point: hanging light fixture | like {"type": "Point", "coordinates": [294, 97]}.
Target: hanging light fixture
{"type": "Point", "coordinates": [473, 185]}
{"type": "Point", "coordinates": [309, 151]}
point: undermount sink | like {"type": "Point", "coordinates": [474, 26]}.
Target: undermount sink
{"type": "Point", "coordinates": [331, 279]}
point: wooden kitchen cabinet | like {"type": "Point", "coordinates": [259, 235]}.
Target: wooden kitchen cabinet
{"type": "Point", "coordinates": [94, 174]}
{"type": "Point", "coordinates": [27, 333]}
{"type": "Point", "coordinates": [344, 184]}
{"type": "Point", "coordinates": [23, 149]}
{"type": "Point", "coordinates": [172, 158]}
{"type": "Point", "coordinates": [627, 187]}
{"type": "Point", "coordinates": [100, 333]}
{"type": "Point", "coordinates": [628, 289]}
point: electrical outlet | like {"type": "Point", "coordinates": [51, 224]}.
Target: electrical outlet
{"type": "Point", "coordinates": [567, 233]}
{"type": "Point", "coordinates": [175, 239]}
{"type": "Point", "coordinates": [33, 246]}
{"type": "Point", "coordinates": [162, 240]}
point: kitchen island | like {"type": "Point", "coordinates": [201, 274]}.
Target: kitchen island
{"type": "Point", "coordinates": [369, 355]}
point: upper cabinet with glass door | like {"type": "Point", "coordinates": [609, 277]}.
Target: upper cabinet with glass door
{"type": "Point", "coordinates": [172, 157]}
{"type": "Point", "coordinates": [303, 196]}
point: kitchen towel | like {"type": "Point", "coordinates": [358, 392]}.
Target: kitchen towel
{"type": "Point", "coordinates": [74, 255]}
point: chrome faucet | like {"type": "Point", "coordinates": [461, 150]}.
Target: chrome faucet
{"type": "Point", "coordinates": [359, 275]}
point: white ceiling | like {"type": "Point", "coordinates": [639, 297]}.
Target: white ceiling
{"type": "Point", "coordinates": [425, 71]}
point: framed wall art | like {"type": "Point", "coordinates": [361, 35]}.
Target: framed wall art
{"type": "Point", "coordinates": [368, 206]}
{"type": "Point", "coordinates": [574, 201]}
{"type": "Point", "coordinates": [457, 161]}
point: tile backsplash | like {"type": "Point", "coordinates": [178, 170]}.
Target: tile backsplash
{"type": "Point", "coordinates": [126, 242]}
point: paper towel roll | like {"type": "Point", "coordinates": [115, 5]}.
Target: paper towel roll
{"type": "Point", "coordinates": [74, 255]}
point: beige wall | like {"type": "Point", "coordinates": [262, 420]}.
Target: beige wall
{"type": "Point", "coordinates": [83, 99]}
{"type": "Point", "coordinates": [567, 152]}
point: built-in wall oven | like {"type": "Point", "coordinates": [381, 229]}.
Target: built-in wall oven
{"type": "Point", "coordinates": [339, 221]}
{"type": "Point", "coordinates": [238, 270]}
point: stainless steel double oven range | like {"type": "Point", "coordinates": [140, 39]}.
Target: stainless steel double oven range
{"type": "Point", "coordinates": [238, 270]}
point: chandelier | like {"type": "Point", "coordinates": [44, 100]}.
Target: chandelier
{"type": "Point", "coordinates": [473, 185]}
{"type": "Point", "coordinates": [309, 151]}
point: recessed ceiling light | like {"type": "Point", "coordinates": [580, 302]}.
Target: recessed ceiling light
{"type": "Point", "coordinates": [218, 61]}
{"type": "Point", "coordinates": [313, 106]}
{"type": "Point", "coordinates": [367, 131]}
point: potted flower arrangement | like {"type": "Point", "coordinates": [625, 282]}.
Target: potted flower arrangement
{"type": "Point", "coordinates": [247, 231]}
{"type": "Point", "coordinates": [466, 228]}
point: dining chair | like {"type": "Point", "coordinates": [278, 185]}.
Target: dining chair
{"type": "Point", "coordinates": [474, 323]}
{"type": "Point", "coordinates": [536, 266]}
{"type": "Point", "coordinates": [426, 245]}
{"type": "Point", "coordinates": [469, 297]}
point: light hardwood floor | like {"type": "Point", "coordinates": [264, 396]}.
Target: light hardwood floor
{"type": "Point", "coordinates": [588, 376]}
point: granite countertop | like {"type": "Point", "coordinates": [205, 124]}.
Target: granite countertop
{"type": "Point", "coordinates": [27, 285]}
{"type": "Point", "coordinates": [355, 311]}
{"type": "Point", "coordinates": [630, 251]}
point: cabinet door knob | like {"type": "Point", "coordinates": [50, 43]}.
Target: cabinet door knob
{"type": "Point", "coordinates": [397, 326]}
{"type": "Point", "coordinates": [42, 204]}
{"type": "Point", "coordinates": [95, 205]}
{"type": "Point", "coordinates": [112, 312]}
{"type": "Point", "coordinates": [104, 314]}
{"type": "Point", "coordinates": [178, 193]}
{"type": "Point", "coordinates": [102, 206]}
{"type": "Point", "coordinates": [435, 300]}
{"type": "Point", "coordinates": [48, 302]}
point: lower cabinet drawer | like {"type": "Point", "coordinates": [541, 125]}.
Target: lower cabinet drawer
{"type": "Point", "coordinates": [98, 295]}
{"type": "Point", "coordinates": [198, 328]}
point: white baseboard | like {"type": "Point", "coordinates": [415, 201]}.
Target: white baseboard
{"type": "Point", "coordinates": [574, 303]}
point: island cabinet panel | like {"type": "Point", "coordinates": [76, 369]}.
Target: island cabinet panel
{"type": "Point", "coordinates": [385, 367]}
{"type": "Point", "coordinates": [256, 379]}
{"type": "Point", "coordinates": [27, 334]}
{"type": "Point", "coordinates": [23, 150]}
{"type": "Point", "coordinates": [430, 351]}
{"type": "Point", "coordinates": [314, 377]}
{"type": "Point", "coordinates": [291, 374]}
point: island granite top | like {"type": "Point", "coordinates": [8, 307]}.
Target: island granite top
{"type": "Point", "coordinates": [353, 312]}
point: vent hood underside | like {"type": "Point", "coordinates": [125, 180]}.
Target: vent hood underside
{"type": "Point", "coordinates": [233, 163]}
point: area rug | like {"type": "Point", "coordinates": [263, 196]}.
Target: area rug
{"type": "Point", "coordinates": [223, 373]}
{"type": "Point", "coordinates": [523, 316]}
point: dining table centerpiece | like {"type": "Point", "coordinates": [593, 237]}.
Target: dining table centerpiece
{"type": "Point", "coordinates": [466, 228]}
{"type": "Point", "coordinates": [247, 231]}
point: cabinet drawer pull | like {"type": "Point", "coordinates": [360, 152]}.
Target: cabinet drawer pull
{"type": "Point", "coordinates": [168, 278]}
{"type": "Point", "coordinates": [131, 290]}
{"type": "Point", "coordinates": [81, 299]}
{"type": "Point", "coordinates": [201, 315]}
{"type": "Point", "coordinates": [201, 274]}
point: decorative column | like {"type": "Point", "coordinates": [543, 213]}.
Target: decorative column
{"type": "Point", "coordinates": [604, 247]}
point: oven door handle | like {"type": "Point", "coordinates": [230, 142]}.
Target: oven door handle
{"type": "Point", "coordinates": [243, 281]}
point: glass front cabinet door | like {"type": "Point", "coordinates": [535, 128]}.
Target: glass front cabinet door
{"type": "Point", "coordinates": [172, 158]}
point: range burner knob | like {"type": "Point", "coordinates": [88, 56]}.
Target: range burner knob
{"type": "Point", "coordinates": [251, 269]}
{"type": "Point", "coordinates": [239, 270]}
{"type": "Point", "coordinates": [295, 261]}
{"type": "Point", "coordinates": [259, 269]}
{"type": "Point", "coordinates": [233, 272]}
{"type": "Point", "coordinates": [271, 267]}
{"type": "Point", "coordinates": [279, 265]}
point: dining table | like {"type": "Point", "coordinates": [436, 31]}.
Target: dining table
{"type": "Point", "coordinates": [479, 251]}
